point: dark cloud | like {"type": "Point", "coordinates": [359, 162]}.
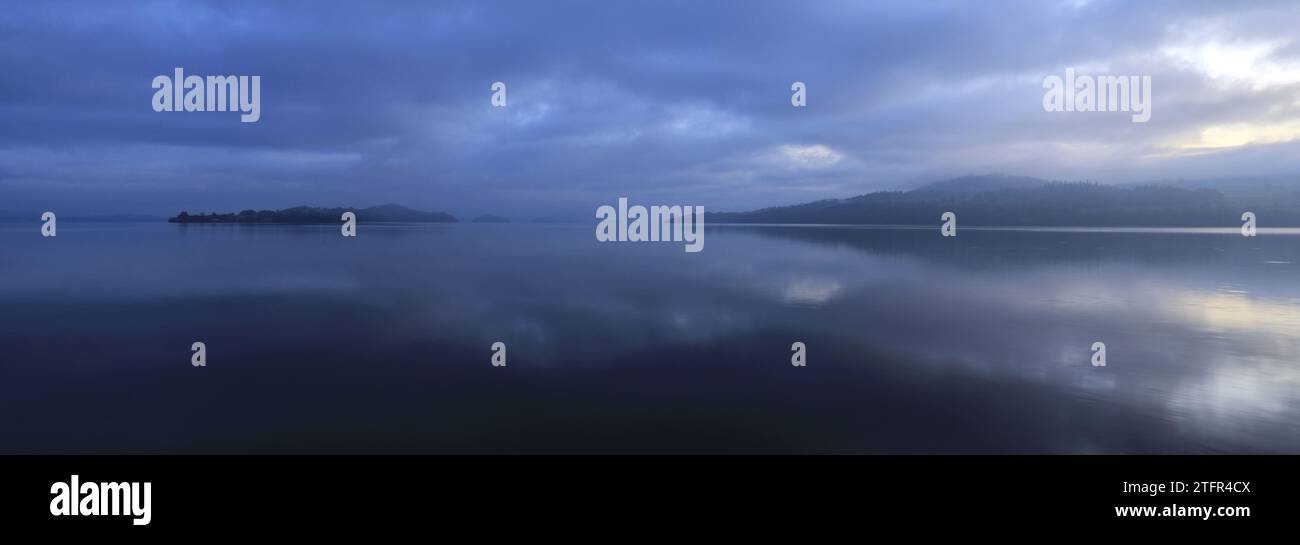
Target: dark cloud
{"type": "Point", "coordinates": [364, 103]}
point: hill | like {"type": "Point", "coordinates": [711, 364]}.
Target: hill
{"type": "Point", "coordinates": [1020, 201]}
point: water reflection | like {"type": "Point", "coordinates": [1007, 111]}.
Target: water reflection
{"type": "Point", "coordinates": [916, 343]}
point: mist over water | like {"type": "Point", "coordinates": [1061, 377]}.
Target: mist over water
{"type": "Point", "coordinates": [916, 343]}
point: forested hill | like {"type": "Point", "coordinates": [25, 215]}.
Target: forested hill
{"type": "Point", "coordinates": [1018, 201]}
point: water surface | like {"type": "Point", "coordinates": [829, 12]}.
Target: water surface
{"type": "Point", "coordinates": [916, 343]}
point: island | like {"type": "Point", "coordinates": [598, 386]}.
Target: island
{"type": "Point", "coordinates": [308, 215]}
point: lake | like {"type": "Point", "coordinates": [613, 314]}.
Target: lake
{"type": "Point", "coordinates": [916, 343]}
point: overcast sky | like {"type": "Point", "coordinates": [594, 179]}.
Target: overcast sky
{"type": "Point", "coordinates": [366, 103]}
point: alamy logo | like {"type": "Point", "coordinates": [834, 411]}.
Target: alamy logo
{"type": "Point", "coordinates": [498, 354]}
{"type": "Point", "coordinates": [949, 227]}
{"type": "Point", "coordinates": [183, 93]}
{"type": "Point", "coordinates": [200, 357]}
{"type": "Point", "coordinates": [1099, 354]}
{"type": "Point", "coordinates": [95, 499]}
{"type": "Point", "coordinates": [656, 224]}
{"type": "Point", "coordinates": [349, 228]}
{"type": "Point", "coordinates": [1085, 93]}
{"type": "Point", "coordinates": [498, 94]}
{"type": "Point", "coordinates": [51, 226]}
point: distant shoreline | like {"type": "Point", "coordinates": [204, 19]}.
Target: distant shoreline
{"type": "Point", "coordinates": [306, 215]}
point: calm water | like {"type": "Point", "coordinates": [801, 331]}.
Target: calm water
{"type": "Point", "coordinates": [381, 343]}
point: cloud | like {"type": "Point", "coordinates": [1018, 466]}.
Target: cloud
{"type": "Point", "coordinates": [815, 156]}
{"type": "Point", "coordinates": [683, 101]}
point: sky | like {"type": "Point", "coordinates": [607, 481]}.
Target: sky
{"type": "Point", "coordinates": [664, 102]}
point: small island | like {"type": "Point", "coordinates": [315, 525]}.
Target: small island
{"type": "Point", "coordinates": [312, 215]}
